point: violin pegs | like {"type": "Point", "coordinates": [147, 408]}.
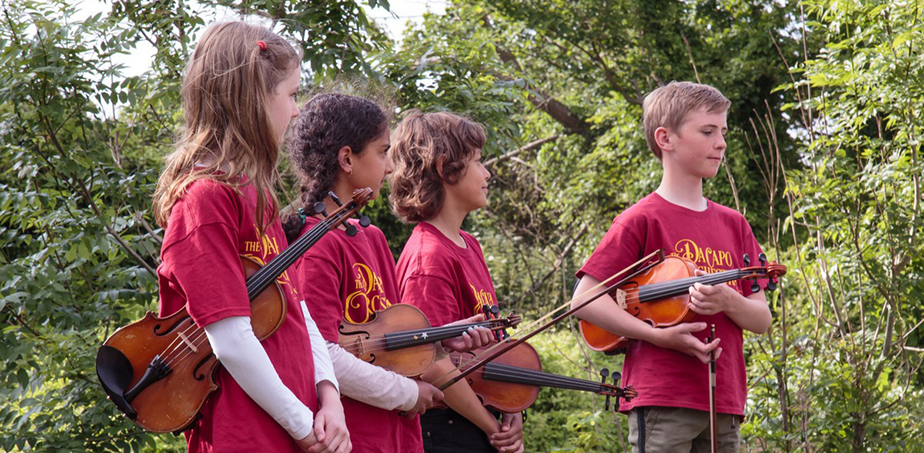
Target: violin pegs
{"type": "Point", "coordinates": [320, 208]}
{"type": "Point", "coordinates": [771, 285]}
{"type": "Point", "coordinates": [350, 229]}
{"type": "Point", "coordinates": [763, 259]}
{"type": "Point", "coordinates": [501, 334]}
{"type": "Point", "coordinates": [755, 287]}
{"type": "Point", "coordinates": [364, 220]}
{"type": "Point", "coordinates": [603, 374]}
{"type": "Point", "coordinates": [616, 377]}
{"type": "Point", "coordinates": [747, 260]}
{"type": "Point", "coordinates": [334, 197]}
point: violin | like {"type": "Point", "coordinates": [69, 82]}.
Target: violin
{"type": "Point", "coordinates": [511, 382]}
{"type": "Point", "coordinates": [410, 350]}
{"type": "Point", "coordinates": [661, 297]}
{"type": "Point", "coordinates": [159, 371]}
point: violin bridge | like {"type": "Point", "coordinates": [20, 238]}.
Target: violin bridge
{"type": "Point", "coordinates": [188, 343]}
{"type": "Point", "coordinates": [358, 349]}
{"type": "Point", "coordinates": [621, 299]}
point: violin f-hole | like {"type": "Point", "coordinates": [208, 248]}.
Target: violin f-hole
{"type": "Point", "coordinates": [173, 327]}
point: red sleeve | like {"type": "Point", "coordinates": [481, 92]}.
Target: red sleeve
{"type": "Point", "coordinates": [620, 247]}
{"type": "Point", "coordinates": [201, 253]}
{"type": "Point", "coordinates": [433, 295]}
{"type": "Point", "coordinates": [208, 269]}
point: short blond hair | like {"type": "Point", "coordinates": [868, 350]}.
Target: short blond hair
{"type": "Point", "coordinates": [669, 105]}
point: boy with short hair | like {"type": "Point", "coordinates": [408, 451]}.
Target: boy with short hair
{"type": "Point", "coordinates": [685, 125]}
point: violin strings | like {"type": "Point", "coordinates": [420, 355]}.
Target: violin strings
{"type": "Point", "coordinates": [676, 287]}
{"type": "Point", "coordinates": [589, 294]}
{"type": "Point", "coordinates": [275, 267]}
{"type": "Point", "coordinates": [169, 353]}
{"type": "Point", "coordinates": [536, 377]}
{"type": "Point", "coordinates": [406, 338]}
{"type": "Point", "coordinates": [175, 351]}
{"type": "Point", "coordinates": [527, 376]}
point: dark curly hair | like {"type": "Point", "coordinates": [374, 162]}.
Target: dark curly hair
{"type": "Point", "coordinates": [429, 149]}
{"type": "Point", "coordinates": [325, 124]}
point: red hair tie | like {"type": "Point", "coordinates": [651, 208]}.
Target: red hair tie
{"type": "Point", "coordinates": [261, 45]}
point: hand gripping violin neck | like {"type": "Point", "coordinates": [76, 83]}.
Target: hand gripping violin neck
{"type": "Point", "coordinates": [399, 338]}
{"type": "Point", "coordinates": [660, 295]}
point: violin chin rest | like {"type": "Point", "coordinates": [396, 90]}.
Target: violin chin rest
{"type": "Point", "coordinates": [115, 372]}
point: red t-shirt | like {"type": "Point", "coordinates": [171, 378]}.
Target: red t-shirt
{"type": "Point", "coordinates": [445, 281]}
{"type": "Point", "coordinates": [350, 278]}
{"type": "Point", "coordinates": [716, 240]}
{"type": "Point", "coordinates": [209, 229]}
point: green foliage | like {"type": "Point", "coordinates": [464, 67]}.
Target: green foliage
{"type": "Point", "coordinates": [823, 160]}
{"type": "Point", "coordinates": [841, 370]}
{"type": "Point", "coordinates": [78, 256]}
{"type": "Point", "coordinates": [80, 151]}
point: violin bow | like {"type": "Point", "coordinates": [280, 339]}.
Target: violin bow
{"type": "Point", "coordinates": [712, 414]}
{"type": "Point", "coordinates": [496, 350]}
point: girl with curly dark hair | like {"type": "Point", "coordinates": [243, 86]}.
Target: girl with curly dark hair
{"type": "Point", "coordinates": [339, 144]}
{"type": "Point", "coordinates": [438, 180]}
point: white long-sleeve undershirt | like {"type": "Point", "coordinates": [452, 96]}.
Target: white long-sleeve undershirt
{"type": "Point", "coordinates": [323, 367]}
{"type": "Point", "coordinates": [371, 384]}
{"type": "Point", "coordinates": [239, 351]}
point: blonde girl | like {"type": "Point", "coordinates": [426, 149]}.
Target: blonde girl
{"type": "Point", "coordinates": [215, 200]}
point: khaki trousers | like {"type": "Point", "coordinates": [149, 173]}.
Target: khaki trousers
{"type": "Point", "coordinates": [677, 429]}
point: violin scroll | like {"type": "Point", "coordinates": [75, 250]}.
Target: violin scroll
{"type": "Point", "coordinates": [502, 324]}
{"type": "Point", "coordinates": [772, 272]}
{"type": "Point", "coordinates": [614, 390]}
{"type": "Point", "coordinates": [360, 198]}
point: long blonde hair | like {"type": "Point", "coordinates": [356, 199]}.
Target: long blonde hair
{"type": "Point", "coordinates": [232, 73]}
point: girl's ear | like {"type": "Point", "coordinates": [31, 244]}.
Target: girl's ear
{"type": "Point", "coordinates": [440, 162]}
{"type": "Point", "coordinates": [663, 139]}
{"type": "Point", "coordinates": [345, 159]}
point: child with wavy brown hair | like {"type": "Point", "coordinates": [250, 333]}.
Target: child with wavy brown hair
{"type": "Point", "coordinates": [438, 180]}
{"type": "Point", "coordinates": [216, 201]}
{"type": "Point", "coordinates": [341, 143]}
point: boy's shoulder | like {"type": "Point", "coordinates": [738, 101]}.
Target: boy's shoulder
{"type": "Point", "coordinates": [728, 213]}
{"type": "Point", "coordinates": [647, 207]}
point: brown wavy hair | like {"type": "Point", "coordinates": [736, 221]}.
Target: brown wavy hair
{"type": "Point", "coordinates": [429, 149]}
{"type": "Point", "coordinates": [226, 86]}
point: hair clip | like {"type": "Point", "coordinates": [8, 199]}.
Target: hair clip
{"type": "Point", "coordinates": [261, 45]}
{"type": "Point", "coordinates": [301, 213]}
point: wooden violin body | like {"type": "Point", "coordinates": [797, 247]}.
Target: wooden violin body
{"type": "Point", "coordinates": [176, 348]}
{"type": "Point", "coordinates": [665, 312]}
{"type": "Point", "coordinates": [368, 341]}
{"type": "Point", "coordinates": [158, 371]}
{"type": "Point", "coordinates": [399, 338]}
{"type": "Point", "coordinates": [660, 296]}
{"type": "Point", "coordinates": [496, 385]}
{"type": "Point", "coordinates": [511, 382]}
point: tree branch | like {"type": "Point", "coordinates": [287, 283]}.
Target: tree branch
{"type": "Point", "coordinates": [555, 109]}
{"type": "Point", "coordinates": [527, 147]}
